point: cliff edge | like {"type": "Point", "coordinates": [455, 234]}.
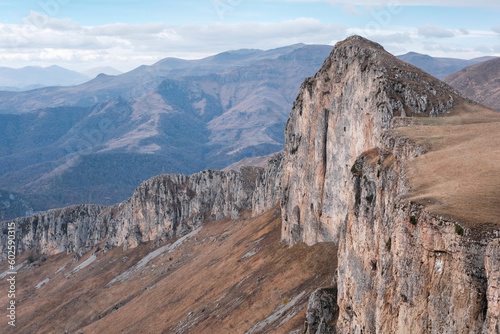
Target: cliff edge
{"type": "Point", "coordinates": [408, 196]}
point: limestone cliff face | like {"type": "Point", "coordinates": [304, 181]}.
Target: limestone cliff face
{"type": "Point", "coordinates": [401, 269]}
{"type": "Point", "coordinates": [268, 187]}
{"type": "Point", "coordinates": [56, 231]}
{"type": "Point", "coordinates": [492, 264]}
{"type": "Point", "coordinates": [341, 112]}
{"type": "Point", "coordinates": [162, 207]}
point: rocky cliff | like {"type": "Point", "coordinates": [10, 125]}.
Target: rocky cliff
{"type": "Point", "coordinates": [341, 112]}
{"type": "Point", "coordinates": [162, 207]}
{"type": "Point", "coordinates": [346, 176]}
{"type": "Point", "coordinates": [401, 267]}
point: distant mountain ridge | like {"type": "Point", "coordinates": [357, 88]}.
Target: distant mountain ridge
{"type": "Point", "coordinates": [438, 66]}
{"type": "Point", "coordinates": [480, 82]}
{"type": "Point", "coordinates": [95, 142]}
{"type": "Point", "coordinates": [32, 77]}
{"type": "Point", "coordinates": [93, 72]}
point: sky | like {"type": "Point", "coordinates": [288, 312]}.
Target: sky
{"type": "Point", "coordinates": [124, 34]}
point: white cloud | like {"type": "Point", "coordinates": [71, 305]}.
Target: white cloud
{"type": "Point", "coordinates": [432, 30]}
{"type": "Point", "coordinates": [484, 49]}
{"type": "Point", "coordinates": [463, 31]}
{"type": "Point", "coordinates": [496, 29]}
{"type": "Point", "coordinates": [446, 48]}
{"type": "Point", "coordinates": [41, 38]}
{"type": "Point", "coordinates": [379, 3]}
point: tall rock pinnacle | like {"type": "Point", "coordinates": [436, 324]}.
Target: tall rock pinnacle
{"type": "Point", "coordinates": [340, 113]}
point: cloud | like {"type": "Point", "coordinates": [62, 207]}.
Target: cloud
{"type": "Point", "coordinates": [126, 30]}
{"type": "Point", "coordinates": [41, 31]}
{"type": "Point", "coordinates": [439, 3]}
{"type": "Point", "coordinates": [446, 48]}
{"type": "Point", "coordinates": [484, 49]}
{"type": "Point", "coordinates": [463, 31]}
{"type": "Point", "coordinates": [432, 30]}
{"type": "Point", "coordinates": [42, 38]}
{"type": "Point", "coordinates": [393, 38]}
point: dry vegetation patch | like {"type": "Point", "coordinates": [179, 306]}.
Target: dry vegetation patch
{"type": "Point", "coordinates": [228, 278]}
{"type": "Point", "coordinates": [459, 176]}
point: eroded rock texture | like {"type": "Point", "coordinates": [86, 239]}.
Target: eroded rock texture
{"type": "Point", "coordinates": [322, 311]}
{"type": "Point", "coordinates": [341, 112]}
{"type": "Point", "coordinates": [161, 207]}
{"type": "Point", "coordinates": [341, 179]}
{"type": "Point", "coordinates": [401, 269]}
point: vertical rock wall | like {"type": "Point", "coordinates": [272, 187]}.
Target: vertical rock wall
{"type": "Point", "coordinates": [339, 113]}
{"type": "Point", "coordinates": [400, 268]}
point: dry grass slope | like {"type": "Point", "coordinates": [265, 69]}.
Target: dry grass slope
{"type": "Point", "coordinates": [231, 276]}
{"type": "Point", "coordinates": [460, 174]}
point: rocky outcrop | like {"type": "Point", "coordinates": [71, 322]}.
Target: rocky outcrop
{"type": "Point", "coordinates": [339, 113]}
{"type": "Point", "coordinates": [55, 231]}
{"type": "Point", "coordinates": [401, 269]}
{"type": "Point", "coordinates": [162, 207]}
{"type": "Point", "coordinates": [268, 187]}
{"type": "Point", "coordinates": [342, 179]}
{"type": "Point", "coordinates": [492, 265]}
{"type": "Point", "coordinates": [322, 311]}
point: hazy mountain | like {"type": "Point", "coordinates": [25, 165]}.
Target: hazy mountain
{"type": "Point", "coordinates": [32, 77]}
{"type": "Point", "coordinates": [93, 72]}
{"type": "Point", "coordinates": [439, 67]}
{"type": "Point", "coordinates": [383, 207]}
{"type": "Point", "coordinates": [97, 141]}
{"type": "Point", "coordinates": [480, 82]}
{"type": "Point", "coordinates": [13, 205]}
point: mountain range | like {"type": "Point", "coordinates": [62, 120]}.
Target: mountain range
{"type": "Point", "coordinates": [95, 142]}
{"type": "Point", "coordinates": [439, 66]}
{"type": "Point", "coordinates": [33, 77]}
{"type": "Point", "coordinates": [380, 215]}
{"type": "Point", "coordinates": [480, 82]}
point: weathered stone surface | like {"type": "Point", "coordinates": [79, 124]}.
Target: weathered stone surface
{"type": "Point", "coordinates": [342, 179]}
{"type": "Point", "coordinates": [51, 232]}
{"type": "Point", "coordinates": [492, 264]}
{"type": "Point", "coordinates": [322, 311]}
{"type": "Point", "coordinates": [161, 207]}
{"type": "Point", "coordinates": [401, 269]}
{"type": "Point", "coordinates": [268, 188]}
{"type": "Point", "coordinates": [339, 113]}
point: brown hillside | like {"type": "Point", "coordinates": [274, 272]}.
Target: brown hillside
{"type": "Point", "coordinates": [480, 82]}
{"type": "Point", "coordinates": [231, 277]}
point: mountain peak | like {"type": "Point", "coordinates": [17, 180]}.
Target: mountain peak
{"type": "Point", "coordinates": [346, 107]}
{"type": "Point", "coordinates": [361, 41]}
